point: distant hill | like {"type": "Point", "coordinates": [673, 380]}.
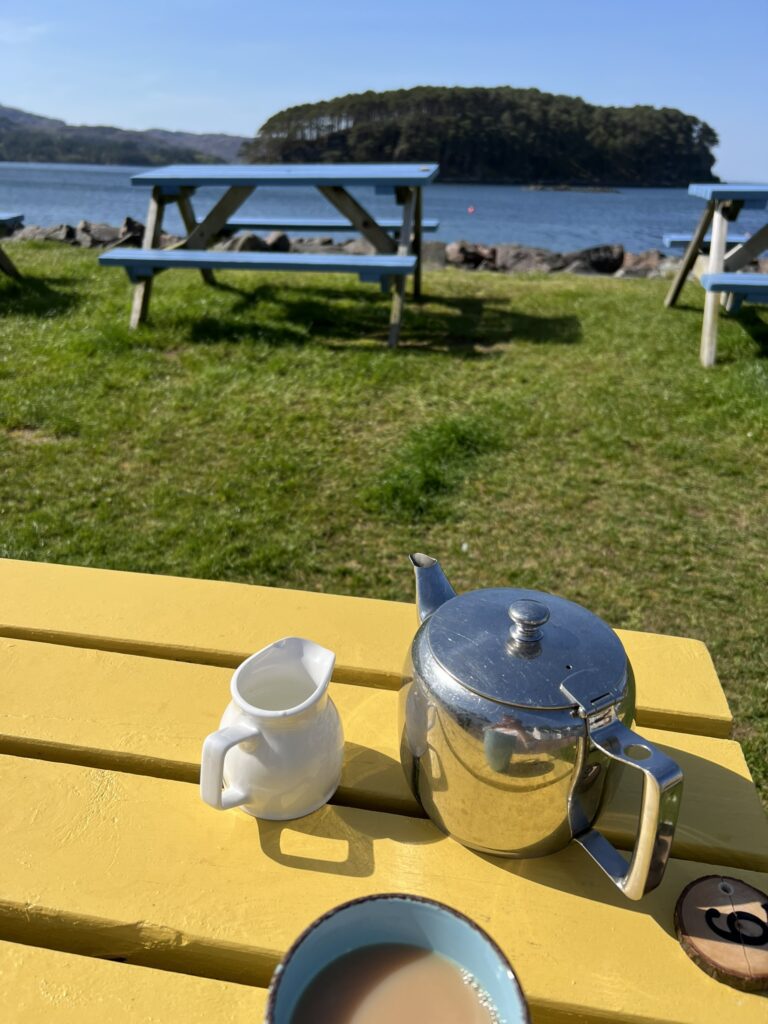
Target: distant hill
{"type": "Point", "coordinates": [25, 136]}
{"type": "Point", "coordinates": [495, 135]}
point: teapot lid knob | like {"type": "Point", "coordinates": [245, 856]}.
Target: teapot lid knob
{"type": "Point", "coordinates": [527, 619]}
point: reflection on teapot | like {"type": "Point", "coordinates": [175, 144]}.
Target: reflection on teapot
{"type": "Point", "coordinates": [524, 700]}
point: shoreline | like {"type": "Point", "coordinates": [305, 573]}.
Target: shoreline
{"type": "Point", "coordinates": [508, 258]}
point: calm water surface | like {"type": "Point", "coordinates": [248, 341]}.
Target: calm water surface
{"type": "Point", "coordinates": [636, 218]}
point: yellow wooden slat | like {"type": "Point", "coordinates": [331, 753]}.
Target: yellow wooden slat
{"type": "Point", "coordinates": [721, 815]}
{"type": "Point", "coordinates": [677, 685]}
{"type": "Point", "coordinates": [44, 986]}
{"type": "Point", "coordinates": [221, 623]}
{"type": "Point", "coordinates": [150, 716]}
{"type": "Point", "coordinates": [105, 858]}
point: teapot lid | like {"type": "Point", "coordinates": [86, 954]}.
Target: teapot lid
{"type": "Point", "coordinates": [528, 648]}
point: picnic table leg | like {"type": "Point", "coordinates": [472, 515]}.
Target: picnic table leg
{"type": "Point", "coordinates": [142, 291]}
{"type": "Point", "coordinates": [690, 255]}
{"type": "Point", "coordinates": [712, 299]}
{"type": "Point", "coordinates": [403, 249]}
{"type": "Point", "coordinates": [417, 246]}
{"type": "Point", "coordinates": [190, 223]}
{"type": "Point", "coordinates": [210, 226]}
{"type": "Point", "coordinates": [6, 265]}
{"type": "Point", "coordinates": [740, 255]}
{"type": "Point", "coordinates": [356, 214]}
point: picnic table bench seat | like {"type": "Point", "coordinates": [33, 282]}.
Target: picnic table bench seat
{"type": "Point", "coordinates": [318, 224]}
{"type": "Point", "coordinates": [672, 240]}
{"type": "Point", "coordinates": [739, 287]}
{"type": "Point", "coordinates": [144, 263]}
{"type": "Point", "coordinates": [10, 222]}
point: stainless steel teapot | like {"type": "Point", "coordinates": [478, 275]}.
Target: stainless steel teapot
{"type": "Point", "coordinates": [514, 705]}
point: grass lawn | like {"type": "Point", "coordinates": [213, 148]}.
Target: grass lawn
{"type": "Point", "coordinates": [550, 432]}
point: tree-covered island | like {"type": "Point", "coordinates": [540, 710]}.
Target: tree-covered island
{"type": "Point", "coordinates": [496, 135]}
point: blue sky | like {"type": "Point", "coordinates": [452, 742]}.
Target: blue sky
{"type": "Point", "coordinates": [226, 66]}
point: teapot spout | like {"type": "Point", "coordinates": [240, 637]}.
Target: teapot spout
{"type": "Point", "coordinates": [432, 586]}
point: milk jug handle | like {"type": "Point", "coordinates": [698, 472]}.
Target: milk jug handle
{"type": "Point", "coordinates": [215, 748]}
{"type": "Point", "coordinates": [662, 789]}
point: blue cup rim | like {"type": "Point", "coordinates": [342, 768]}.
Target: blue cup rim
{"type": "Point", "coordinates": [279, 972]}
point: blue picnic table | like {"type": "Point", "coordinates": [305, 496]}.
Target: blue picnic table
{"type": "Point", "coordinates": [9, 222]}
{"type": "Point", "coordinates": [397, 242]}
{"type": "Point", "coordinates": [722, 282]}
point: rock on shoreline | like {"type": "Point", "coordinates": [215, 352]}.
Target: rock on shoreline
{"type": "Point", "coordinates": [605, 260]}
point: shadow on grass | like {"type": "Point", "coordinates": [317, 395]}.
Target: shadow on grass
{"type": "Point", "coordinates": [756, 326]}
{"type": "Point", "coordinates": [749, 317]}
{"type": "Point", "coordinates": [33, 296]}
{"type": "Point", "coordinates": [458, 325]}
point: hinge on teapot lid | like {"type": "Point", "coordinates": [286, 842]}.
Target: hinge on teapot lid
{"type": "Point", "coordinates": [587, 691]}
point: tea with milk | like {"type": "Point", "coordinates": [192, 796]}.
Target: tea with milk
{"type": "Point", "coordinates": [383, 984]}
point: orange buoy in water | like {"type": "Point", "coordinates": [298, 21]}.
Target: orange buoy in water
{"type": "Point", "coordinates": [470, 209]}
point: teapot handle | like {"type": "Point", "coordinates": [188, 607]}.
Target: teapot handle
{"type": "Point", "coordinates": [215, 748]}
{"type": "Point", "coordinates": [662, 790]}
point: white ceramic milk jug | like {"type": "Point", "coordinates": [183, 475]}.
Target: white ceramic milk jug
{"type": "Point", "coordinates": [279, 751]}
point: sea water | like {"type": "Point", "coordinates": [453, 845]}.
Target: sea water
{"type": "Point", "coordinates": [636, 218]}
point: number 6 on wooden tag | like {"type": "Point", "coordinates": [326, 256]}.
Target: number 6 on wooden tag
{"type": "Point", "coordinates": [722, 924]}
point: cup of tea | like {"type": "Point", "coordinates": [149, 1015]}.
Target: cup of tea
{"type": "Point", "coordinates": [395, 957]}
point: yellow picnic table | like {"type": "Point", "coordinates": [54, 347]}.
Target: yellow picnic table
{"type": "Point", "coordinates": [123, 897]}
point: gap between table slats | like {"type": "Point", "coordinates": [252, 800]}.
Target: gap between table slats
{"type": "Point", "coordinates": [217, 623]}
{"type": "Point", "coordinates": [144, 717]}
{"type": "Point", "coordinates": [45, 983]}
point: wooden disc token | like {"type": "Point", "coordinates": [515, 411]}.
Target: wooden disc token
{"type": "Point", "coordinates": [722, 924]}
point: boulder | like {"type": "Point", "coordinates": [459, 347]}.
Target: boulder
{"type": "Point", "coordinates": [359, 247]}
{"type": "Point", "coordinates": [641, 264]}
{"type": "Point", "coordinates": [245, 242]}
{"type": "Point", "coordinates": [599, 259]}
{"type": "Point", "coordinates": [470, 255]}
{"type": "Point", "coordinates": [131, 232]}
{"type": "Point", "coordinates": [100, 233]}
{"type": "Point", "coordinates": [433, 254]}
{"type": "Point", "coordinates": [31, 233]}
{"type": "Point", "coordinates": [278, 241]}
{"type": "Point", "coordinates": [61, 233]}
{"type": "Point", "coordinates": [579, 266]}
{"type": "Point", "coordinates": [668, 267]}
{"type": "Point", "coordinates": [315, 245]}
{"type": "Point", "coordinates": [520, 259]}
{"type": "Point", "coordinates": [311, 244]}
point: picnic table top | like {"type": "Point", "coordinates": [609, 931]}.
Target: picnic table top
{"type": "Point", "coordinates": [110, 682]}
{"type": "Point", "coordinates": [722, 191]}
{"type": "Point", "coordinates": [289, 174]}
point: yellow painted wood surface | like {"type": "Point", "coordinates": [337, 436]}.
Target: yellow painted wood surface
{"type": "Point", "coordinates": [101, 861]}
{"type": "Point", "coordinates": [150, 716]}
{"type": "Point", "coordinates": [44, 986]}
{"type": "Point", "coordinates": [221, 623]}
